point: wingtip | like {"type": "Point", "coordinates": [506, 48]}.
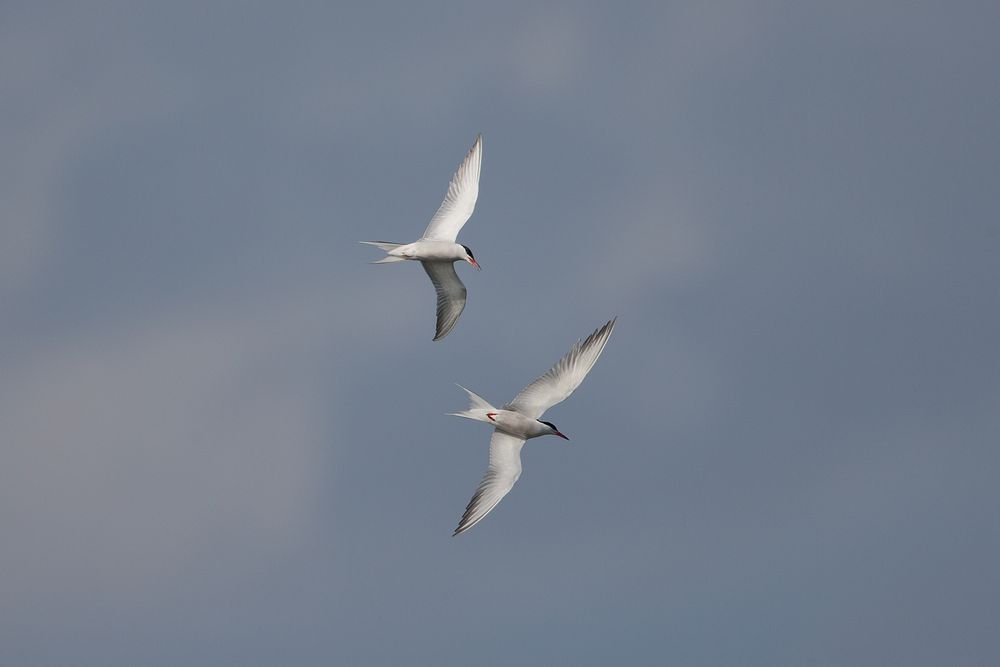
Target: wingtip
{"type": "Point", "coordinates": [602, 331]}
{"type": "Point", "coordinates": [606, 331]}
{"type": "Point", "coordinates": [441, 334]}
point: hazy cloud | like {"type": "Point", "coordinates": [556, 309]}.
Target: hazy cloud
{"type": "Point", "coordinates": [224, 433]}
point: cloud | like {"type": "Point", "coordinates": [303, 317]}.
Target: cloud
{"type": "Point", "coordinates": [58, 101]}
{"type": "Point", "coordinates": [134, 450]}
{"type": "Point", "coordinates": [548, 51]}
{"type": "Point", "coordinates": [129, 454]}
{"type": "Point", "coordinates": [652, 241]}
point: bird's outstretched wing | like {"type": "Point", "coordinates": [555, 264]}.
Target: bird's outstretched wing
{"type": "Point", "coordinates": [562, 379]}
{"type": "Point", "coordinates": [505, 468]}
{"type": "Point", "coordinates": [460, 200]}
{"type": "Point", "coordinates": [450, 295]}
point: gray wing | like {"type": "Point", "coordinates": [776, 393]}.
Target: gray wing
{"type": "Point", "coordinates": [460, 200]}
{"type": "Point", "coordinates": [450, 295]}
{"type": "Point", "coordinates": [562, 379]}
{"type": "Point", "coordinates": [505, 468]}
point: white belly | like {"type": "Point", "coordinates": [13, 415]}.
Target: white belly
{"type": "Point", "coordinates": [516, 424]}
{"type": "Point", "coordinates": [434, 251]}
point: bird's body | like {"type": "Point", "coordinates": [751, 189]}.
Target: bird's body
{"type": "Point", "coordinates": [437, 249]}
{"type": "Point", "coordinates": [519, 421]}
{"type": "Point", "coordinates": [522, 426]}
{"type": "Point", "coordinates": [430, 250]}
{"type": "Point", "coordinates": [510, 422]}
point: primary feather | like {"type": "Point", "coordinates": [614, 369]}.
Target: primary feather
{"type": "Point", "coordinates": [450, 295]}
{"type": "Point", "coordinates": [564, 377]}
{"type": "Point", "coordinates": [505, 468]}
{"type": "Point", "coordinates": [460, 200]}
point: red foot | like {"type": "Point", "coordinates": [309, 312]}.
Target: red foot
{"type": "Point", "coordinates": [491, 415]}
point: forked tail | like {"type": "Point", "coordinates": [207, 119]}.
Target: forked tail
{"type": "Point", "coordinates": [478, 407]}
{"type": "Point", "coordinates": [385, 245]}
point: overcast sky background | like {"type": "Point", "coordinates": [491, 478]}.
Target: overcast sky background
{"type": "Point", "coordinates": [223, 432]}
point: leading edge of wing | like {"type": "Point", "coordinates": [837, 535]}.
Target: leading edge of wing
{"type": "Point", "coordinates": [460, 199]}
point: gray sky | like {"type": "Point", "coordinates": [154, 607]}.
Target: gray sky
{"type": "Point", "coordinates": [223, 433]}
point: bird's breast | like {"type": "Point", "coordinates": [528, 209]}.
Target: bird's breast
{"type": "Point", "coordinates": [515, 423]}
{"type": "Point", "coordinates": [434, 251]}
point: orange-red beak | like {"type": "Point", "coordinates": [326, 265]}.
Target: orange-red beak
{"type": "Point", "coordinates": [560, 435]}
{"type": "Point", "coordinates": [475, 264]}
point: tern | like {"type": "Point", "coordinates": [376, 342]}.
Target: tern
{"type": "Point", "coordinates": [519, 420]}
{"type": "Point", "coordinates": [437, 249]}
